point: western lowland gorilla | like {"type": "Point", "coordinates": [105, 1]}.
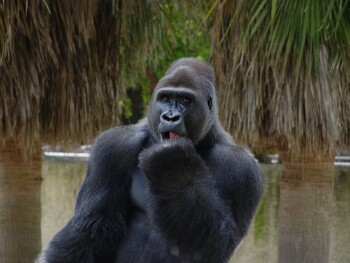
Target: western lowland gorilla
{"type": "Point", "coordinates": [172, 188]}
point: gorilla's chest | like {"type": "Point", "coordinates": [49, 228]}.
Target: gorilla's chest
{"type": "Point", "coordinates": [139, 192]}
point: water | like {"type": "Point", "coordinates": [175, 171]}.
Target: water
{"type": "Point", "coordinates": [61, 182]}
{"type": "Point", "coordinates": [290, 214]}
{"type": "Point", "coordinates": [321, 233]}
{"type": "Point", "coordinates": [20, 202]}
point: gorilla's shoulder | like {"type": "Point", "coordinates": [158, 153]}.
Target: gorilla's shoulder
{"type": "Point", "coordinates": [235, 169]}
{"type": "Point", "coordinates": [234, 159]}
{"type": "Point", "coordinates": [126, 139]}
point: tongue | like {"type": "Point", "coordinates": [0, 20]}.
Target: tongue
{"type": "Point", "coordinates": [173, 136]}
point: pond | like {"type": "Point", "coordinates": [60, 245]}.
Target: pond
{"type": "Point", "coordinates": [268, 234]}
{"type": "Point", "coordinates": [271, 230]}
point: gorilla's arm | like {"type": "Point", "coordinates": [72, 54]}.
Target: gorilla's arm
{"type": "Point", "coordinates": [194, 199]}
{"type": "Point", "coordinates": [99, 221]}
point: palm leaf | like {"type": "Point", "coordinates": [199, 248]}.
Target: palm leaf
{"type": "Point", "coordinates": [65, 65]}
{"type": "Point", "coordinates": [283, 72]}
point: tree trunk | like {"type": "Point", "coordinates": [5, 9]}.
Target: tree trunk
{"type": "Point", "coordinates": [306, 192]}
{"type": "Point", "coordinates": [20, 214]}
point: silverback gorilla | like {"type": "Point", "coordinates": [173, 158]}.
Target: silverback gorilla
{"type": "Point", "coordinates": [172, 188]}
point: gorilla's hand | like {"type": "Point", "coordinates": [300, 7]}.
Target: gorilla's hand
{"type": "Point", "coordinates": [167, 154]}
{"type": "Point", "coordinates": [171, 161]}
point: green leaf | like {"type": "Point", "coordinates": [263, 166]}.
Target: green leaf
{"type": "Point", "coordinates": [273, 9]}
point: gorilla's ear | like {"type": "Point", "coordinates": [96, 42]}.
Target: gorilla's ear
{"type": "Point", "coordinates": [210, 102]}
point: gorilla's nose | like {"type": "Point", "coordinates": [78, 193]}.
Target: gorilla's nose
{"type": "Point", "coordinates": [170, 118]}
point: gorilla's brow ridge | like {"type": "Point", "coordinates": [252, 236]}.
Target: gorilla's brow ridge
{"type": "Point", "coordinates": [186, 76]}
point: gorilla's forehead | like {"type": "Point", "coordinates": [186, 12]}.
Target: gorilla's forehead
{"type": "Point", "coordinates": [187, 77]}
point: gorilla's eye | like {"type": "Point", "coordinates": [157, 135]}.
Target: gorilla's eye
{"type": "Point", "coordinates": [210, 103]}
{"type": "Point", "coordinates": [185, 100]}
{"type": "Point", "coordinates": [165, 98]}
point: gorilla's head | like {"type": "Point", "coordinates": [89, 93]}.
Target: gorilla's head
{"type": "Point", "coordinates": [184, 101]}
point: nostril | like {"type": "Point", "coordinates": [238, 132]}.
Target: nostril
{"type": "Point", "coordinates": [167, 118]}
{"type": "Point", "coordinates": [175, 118]}
{"type": "Point", "coordinates": [171, 117]}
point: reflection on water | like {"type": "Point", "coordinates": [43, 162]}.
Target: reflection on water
{"type": "Point", "coordinates": [305, 210]}
{"type": "Point", "coordinates": [340, 236]}
{"type": "Point", "coordinates": [19, 206]}
{"type": "Point", "coordinates": [260, 245]}
{"type": "Point", "coordinates": [61, 182]}
{"type": "Point", "coordinates": [282, 219]}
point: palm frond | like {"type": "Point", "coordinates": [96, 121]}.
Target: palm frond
{"type": "Point", "coordinates": [283, 69]}
{"type": "Point", "coordinates": [65, 65]}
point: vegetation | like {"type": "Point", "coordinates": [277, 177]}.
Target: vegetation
{"type": "Point", "coordinates": [283, 66]}
{"type": "Point", "coordinates": [190, 38]}
{"type": "Point", "coordinates": [65, 64]}
{"type": "Point", "coordinates": [284, 72]}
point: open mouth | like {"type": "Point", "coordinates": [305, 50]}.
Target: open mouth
{"type": "Point", "coordinates": [170, 136]}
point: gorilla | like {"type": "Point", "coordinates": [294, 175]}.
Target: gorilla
{"type": "Point", "coordinates": [172, 188]}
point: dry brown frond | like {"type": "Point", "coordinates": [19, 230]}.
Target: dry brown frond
{"type": "Point", "coordinates": [275, 87]}
{"type": "Point", "coordinates": [64, 65]}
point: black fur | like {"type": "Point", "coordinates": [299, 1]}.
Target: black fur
{"type": "Point", "coordinates": [147, 198]}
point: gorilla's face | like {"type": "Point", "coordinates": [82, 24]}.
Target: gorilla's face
{"type": "Point", "coordinates": [183, 103]}
{"type": "Point", "coordinates": [179, 112]}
